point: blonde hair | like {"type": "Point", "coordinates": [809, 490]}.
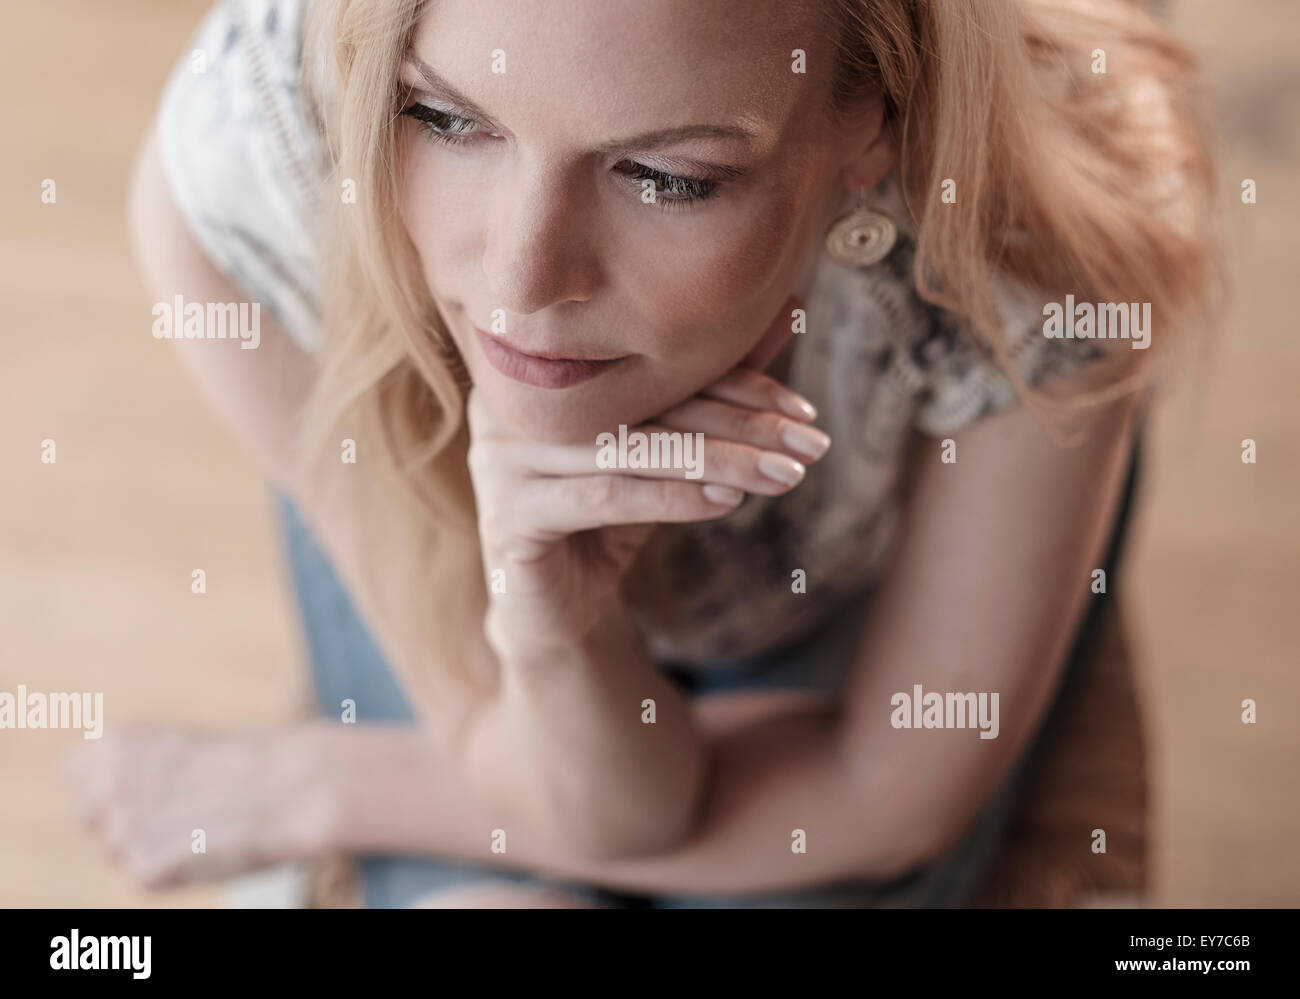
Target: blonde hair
{"type": "Point", "coordinates": [1097, 184]}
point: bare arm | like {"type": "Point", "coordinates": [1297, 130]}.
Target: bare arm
{"type": "Point", "coordinates": [816, 773]}
{"type": "Point", "coordinates": [990, 580]}
{"type": "Point", "coordinates": [258, 393]}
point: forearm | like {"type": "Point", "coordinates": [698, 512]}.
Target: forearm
{"type": "Point", "coordinates": [590, 745]}
{"type": "Point", "coordinates": [767, 782]}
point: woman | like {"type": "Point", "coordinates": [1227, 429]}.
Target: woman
{"type": "Point", "coordinates": [489, 239]}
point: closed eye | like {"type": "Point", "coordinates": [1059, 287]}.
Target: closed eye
{"type": "Point", "coordinates": [669, 187]}
{"type": "Point", "coordinates": [669, 191]}
{"type": "Point", "coordinates": [442, 126]}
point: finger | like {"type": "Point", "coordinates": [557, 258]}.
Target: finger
{"type": "Point", "coordinates": [664, 453]}
{"type": "Point", "coordinates": [758, 428]}
{"type": "Point", "coordinates": [747, 387]}
{"type": "Point", "coordinates": [568, 505]}
{"type": "Point", "coordinates": [774, 338]}
{"type": "Point", "coordinates": [741, 387]}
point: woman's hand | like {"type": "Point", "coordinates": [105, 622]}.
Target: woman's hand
{"type": "Point", "coordinates": [558, 532]}
{"type": "Point", "coordinates": [257, 798]}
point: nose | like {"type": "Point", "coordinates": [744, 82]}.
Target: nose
{"type": "Point", "coordinates": [538, 251]}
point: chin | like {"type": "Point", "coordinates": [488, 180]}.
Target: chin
{"type": "Point", "coordinates": [575, 415]}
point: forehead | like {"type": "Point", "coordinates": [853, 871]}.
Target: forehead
{"type": "Point", "coordinates": [593, 68]}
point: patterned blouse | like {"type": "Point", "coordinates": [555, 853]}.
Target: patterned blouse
{"type": "Point", "coordinates": [245, 168]}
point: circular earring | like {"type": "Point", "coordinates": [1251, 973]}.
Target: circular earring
{"type": "Point", "coordinates": [862, 236]}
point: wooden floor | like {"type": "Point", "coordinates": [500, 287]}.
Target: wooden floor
{"type": "Point", "coordinates": [98, 548]}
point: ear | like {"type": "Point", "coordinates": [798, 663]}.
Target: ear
{"type": "Point", "coordinates": [873, 148]}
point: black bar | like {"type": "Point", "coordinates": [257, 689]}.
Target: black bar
{"type": "Point", "coordinates": [869, 951]}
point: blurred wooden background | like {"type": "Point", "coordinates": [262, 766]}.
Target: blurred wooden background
{"type": "Point", "coordinates": [96, 550]}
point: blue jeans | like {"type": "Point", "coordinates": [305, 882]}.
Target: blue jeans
{"type": "Point", "coordinates": [347, 664]}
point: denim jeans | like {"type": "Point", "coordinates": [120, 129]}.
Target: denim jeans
{"type": "Point", "coordinates": [346, 663]}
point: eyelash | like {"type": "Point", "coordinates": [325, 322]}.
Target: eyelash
{"type": "Point", "coordinates": [672, 192]}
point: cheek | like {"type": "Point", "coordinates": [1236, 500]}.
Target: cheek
{"type": "Point", "coordinates": [426, 202]}
{"type": "Point", "coordinates": [713, 299]}
{"type": "Point", "coordinates": [431, 206]}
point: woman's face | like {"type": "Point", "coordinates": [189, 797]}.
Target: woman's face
{"type": "Point", "coordinates": [528, 164]}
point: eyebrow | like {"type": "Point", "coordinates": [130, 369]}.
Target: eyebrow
{"type": "Point", "coordinates": [646, 140]}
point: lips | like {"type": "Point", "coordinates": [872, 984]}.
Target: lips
{"type": "Point", "coordinates": [544, 371]}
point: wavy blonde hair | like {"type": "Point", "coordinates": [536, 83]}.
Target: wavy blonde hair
{"type": "Point", "coordinates": [1097, 184]}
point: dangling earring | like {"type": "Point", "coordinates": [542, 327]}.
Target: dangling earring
{"type": "Point", "coordinates": [861, 237]}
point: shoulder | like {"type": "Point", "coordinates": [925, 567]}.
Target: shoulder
{"type": "Point", "coordinates": [965, 381]}
{"type": "Point", "coordinates": [950, 368]}
{"type": "Point", "coordinates": [241, 156]}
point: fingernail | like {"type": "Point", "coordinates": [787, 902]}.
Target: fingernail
{"type": "Point", "coordinates": [780, 467]}
{"type": "Point", "coordinates": [808, 441]}
{"type": "Point", "coordinates": [722, 495]}
{"type": "Point", "coordinates": [796, 406]}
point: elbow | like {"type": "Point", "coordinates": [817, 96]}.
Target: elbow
{"type": "Point", "coordinates": [908, 822]}
{"type": "Point", "coordinates": [912, 842]}
{"type": "Point", "coordinates": [637, 834]}
{"type": "Point", "coordinates": [594, 847]}
{"type": "Point", "coordinates": [615, 845]}
{"type": "Point", "coordinates": [647, 839]}
{"type": "Point", "coordinates": [589, 834]}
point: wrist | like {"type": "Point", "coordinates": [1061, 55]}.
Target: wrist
{"type": "Point", "coordinates": [365, 784]}
{"type": "Point", "coordinates": [314, 806]}
{"type": "Point", "coordinates": [610, 636]}
{"type": "Point", "coordinates": [517, 642]}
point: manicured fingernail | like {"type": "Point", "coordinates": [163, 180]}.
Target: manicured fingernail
{"type": "Point", "coordinates": [780, 467]}
{"type": "Point", "coordinates": [796, 406]}
{"type": "Point", "coordinates": [722, 495]}
{"type": "Point", "coordinates": [808, 441]}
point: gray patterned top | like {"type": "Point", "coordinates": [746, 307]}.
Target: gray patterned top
{"type": "Point", "coordinates": [245, 165]}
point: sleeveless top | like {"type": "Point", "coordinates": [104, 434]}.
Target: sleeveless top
{"type": "Point", "coordinates": [245, 167]}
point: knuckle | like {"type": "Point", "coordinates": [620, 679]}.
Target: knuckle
{"type": "Point", "coordinates": [116, 827]}
{"type": "Point", "coordinates": [521, 551]}
{"type": "Point", "coordinates": [681, 501]}
{"type": "Point", "coordinates": [666, 494]}
{"type": "Point", "coordinates": [146, 868]}
{"type": "Point", "coordinates": [766, 427]}
{"type": "Point", "coordinates": [600, 490]}
{"type": "Point", "coordinates": [478, 457]}
{"type": "Point", "coordinates": [492, 524]}
{"type": "Point", "coordinates": [725, 461]}
{"type": "Point", "coordinates": [743, 423]}
{"type": "Point", "coordinates": [770, 389]}
{"type": "Point", "coordinates": [504, 513]}
{"type": "Point", "coordinates": [753, 382]}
